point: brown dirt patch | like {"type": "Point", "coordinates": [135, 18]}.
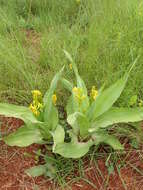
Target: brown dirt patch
{"type": "Point", "coordinates": [129, 177]}
{"type": "Point", "coordinates": [13, 162]}
{"type": "Point", "coordinates": [32, 43]}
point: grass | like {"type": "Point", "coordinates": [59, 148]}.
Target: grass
{"type": "Point", "coordinates": [104, 39]}
{"type": "Point", "coordinates": [76, 173]}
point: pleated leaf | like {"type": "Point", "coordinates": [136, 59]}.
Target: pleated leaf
{"type": "Point", "coordinates": [73, 149]}
{"type": "Point", "coordinates": [103, 137]}
{"type": "Point", "coordinates": [117, 115]}
{"type": "Point", "coordinates": [20, 112]}
{"type": "Point", "coordinates": [24, 136]}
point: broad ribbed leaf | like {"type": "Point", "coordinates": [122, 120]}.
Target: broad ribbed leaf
{"type": "Point", "coordinates": [58, 135]}
{"type": "Point", "coordinates": [68, 85]}
{"type": "Point", "coordinates": [71, 106]}
{"type": "Point", "coordinates": [73, 149]}
{"type": "Point", "coordinates": [50, 112]}
{"type": "Point", "coordinates": [52, 88]}
{"type": "Point", "coordinates": [79, 123]}
{"type": "Point", "coordinates": [118, 115]}
{"type": "Point", "coordinates": [103, 137]}
{"type": "Point", "coordinates": [24, 136]}
{"type": "Point", "coordinates": [106, 99]}
{"type": "Point", "coordinates": [51, 117]}
{"type": "Point", "coordinates": [72, 120]}
{"type": "Point", "coordinates": [20, 112]}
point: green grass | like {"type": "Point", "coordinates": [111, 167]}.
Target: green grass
{"type": "Point", "coordinates": [103, 38]}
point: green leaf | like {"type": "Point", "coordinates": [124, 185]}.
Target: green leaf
{"type": "Point", "coordinates": [74, 106]}
{"type": "Point", "coordinates": [103, 137]}
{"type": "Point", "coordinates": [68, 85]}
{"type": "Point", "coordinates": [36, 171]}
{"type": "Point", "coordinates": [72, 103]}
{"type": "Point", "coordinates": [108, 97]}
{"type": "Point", "coordinates": [51, 117]}
{"type": "Point", "coordinates": [117, 115]}
{"type": "Point", "coordinates": [79, 123]}
{"type": "Point", "coordinates": [24, 136]}
{"type": "Point", "coordinates": [70, 108]}
{"type": "Point", "coordinates": [50, 111]}
{"type": "Point", "coordinates": [68, 56]}
{"type": "Point", "coordinates": [51, 166]}
{"type": "Point", "coordinates": [59, 135]}
{"type": "Point", "coordinates": [52, 88]}
{"type": "Point", "coordinates": [73, 149]}
{"type": "Point", "coordinates": [20, 112]}
{"type": "Point", "coordinates": [80, 82]}
{"type": "Point", "coordinates": [72, 120]}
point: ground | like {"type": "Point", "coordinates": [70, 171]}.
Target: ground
{"type": "Point", "coordinates": [127, 173]}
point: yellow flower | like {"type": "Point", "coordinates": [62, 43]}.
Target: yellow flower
{"type": "Point", "coordinates": [36, 93]}
{"type": "Point", "coordinates": [93, 93]}
{"type": "Point", "coordinates": [78, 92]}
{"type": "Point", "coordinates": [36, 106]}
{"type": "Point", "coordinates": [37, 113]}
{"type": "Point", "coordinates": [39, 105]}
{"type": "Point", "coordinates": [33, 108]}
{"type": "Point", "coordinates": [54, 99]}
{"type": "Point", "coordinates": [37, 98]}
{"type": "Point", "coordinates": [75, 89]}
{"type": "Point", "coordinates": [70, 66]}
{"type": "Point", "coordinates": [82, 97]}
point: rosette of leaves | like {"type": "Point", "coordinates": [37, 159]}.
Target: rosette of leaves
{"type": "Point", "coordinates": [90, 121]}
{"type": "Point", "coordinates": [36, 128]}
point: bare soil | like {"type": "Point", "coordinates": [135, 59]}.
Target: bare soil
{"type": "Point", "coordinates": [14, 161]}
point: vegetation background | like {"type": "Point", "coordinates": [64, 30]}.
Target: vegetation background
{"type": "Point", "coordinates": [104, 37]}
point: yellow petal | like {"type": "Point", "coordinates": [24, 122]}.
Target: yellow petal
{"type": "Point", "coordinates": [70, 66]}
{"type": "Point", "coordinates": [36, 93]}
{"type": "Point", "coordinates": [54, 99]}
{"type": "Point", "coordinates": [75, 89]}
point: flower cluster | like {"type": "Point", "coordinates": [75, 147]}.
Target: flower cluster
{"type": "Point", "coordinates": [70, 66]}
{"type": "Point", "coordinates": [36, 106]}
{"type": "Point", "coordinates": [93, 93]}
{"type": "Point", "coordinates": [78, 92]}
